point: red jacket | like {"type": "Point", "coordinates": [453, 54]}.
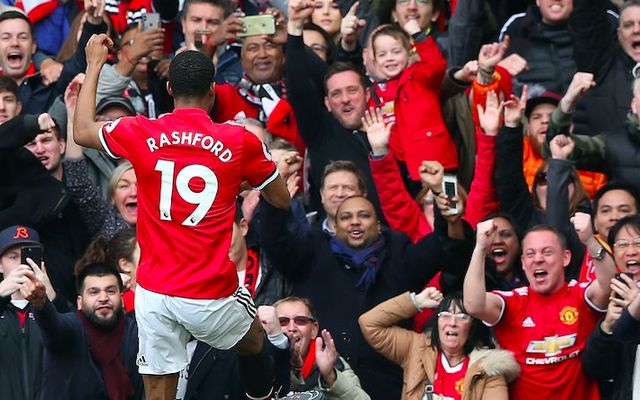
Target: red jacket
{"type": "Point", "coordinates": [420, 131]}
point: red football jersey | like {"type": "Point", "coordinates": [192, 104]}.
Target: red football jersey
{"type": "Point", "coordinates": [189, 171]}
{"type": "Point", "coordinates": [547, 335]}
{"type": "Point", "coordinates": [449, 381]}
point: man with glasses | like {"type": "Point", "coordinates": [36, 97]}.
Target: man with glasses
{"type": "Point", "coordinates": [547, 323]}
{"type": "Point", "coordinates": [315, 363]}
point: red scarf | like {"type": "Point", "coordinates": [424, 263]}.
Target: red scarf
{"type": "Point", "coordinates": [105, 352]}
{"type": "Point", "coordinates": [309, 361]}
{"type": "Point", "coordinates": [251, 272]}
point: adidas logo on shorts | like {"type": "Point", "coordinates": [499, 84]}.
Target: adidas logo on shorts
{"type": "Point", "coordinates": [141, 361]}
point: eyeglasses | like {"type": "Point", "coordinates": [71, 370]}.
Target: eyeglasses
{"type": "Point", "coordinates": [460, 316]}
{"type": "Point", "coordinates": [623, 244]}
{"type": "Point", "coordinates": [300, 320]}
{"type": "Point", "coordinates": [417, 1]}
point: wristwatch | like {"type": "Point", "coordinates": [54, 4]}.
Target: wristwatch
{"type": "Point", "coordinates": [599, 254]}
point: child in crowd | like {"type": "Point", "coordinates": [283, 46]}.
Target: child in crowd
{"type": "Point", "coordinates": [409, 96]}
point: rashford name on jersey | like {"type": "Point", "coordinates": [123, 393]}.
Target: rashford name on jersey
{"type": "Point", "coordinates": [193, 139]}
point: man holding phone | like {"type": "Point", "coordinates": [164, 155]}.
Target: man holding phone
{"type": "Point", "coordinates": [22, 342]}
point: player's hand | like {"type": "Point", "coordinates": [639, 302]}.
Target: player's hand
{"type": "Point", "coordinates": [97, 49]}
{"type": "Point", "coordinates": [289, 163]}
{"type": "Point", "coordinates": [377, 131]}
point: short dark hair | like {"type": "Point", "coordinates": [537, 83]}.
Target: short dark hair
{"type": "Point", "coordinates": [480, 335]}
{"type": "Point", "coordinates": [99, 269]}
{"type": "Point", "coordinates": [191, 74]}
{"type": "Point", "coordinates": [548, 228]}
{"type": "Point", "coordinates": [224, 4]}
{"type": "Point", "coordinates": [8, 85]}
{"type": "Point", "coordinates": [14, 14]}
{"type": "Point", "coordinates": [342, 66]}
{"type": "Point", "coordinates": [632, 221]}
{"type": "Point", "coordinates": [615, 185]}
{"type": "Point", "coordinates": [346, 166]}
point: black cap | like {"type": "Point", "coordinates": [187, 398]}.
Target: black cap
{"type": "Point", "coordinates": [111, 101]}
{"type": "Point", "coordinates": [545, 98]}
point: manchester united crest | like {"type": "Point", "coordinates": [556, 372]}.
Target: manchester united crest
{"type": "Point", "coordinates": [569, 315]}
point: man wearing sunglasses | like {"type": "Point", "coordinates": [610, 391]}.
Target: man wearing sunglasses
{"type": "Point", "coordinates": [315, 363]}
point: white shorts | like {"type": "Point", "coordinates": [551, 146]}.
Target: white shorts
{"type": "Point", "coordinates": [165, 324]}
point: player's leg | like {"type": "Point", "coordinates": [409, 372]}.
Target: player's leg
{"type": "Point", "coordinates": [230, 322]}
{"type": "Point", "coordinates": [255, 363]}
{"type": "Point", "coordinates": [162, 351]}
{"type": "Point", "coordinates": [160, 387]}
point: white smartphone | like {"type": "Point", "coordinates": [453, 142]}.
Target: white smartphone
{"type": "Point", "coordinates": [150, 21]}
{"type": "Point", "coordinates": [450, 188]}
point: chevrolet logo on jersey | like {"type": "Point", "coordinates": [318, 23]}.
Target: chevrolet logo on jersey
{"type": "Point", "coordinates": [551, 345]}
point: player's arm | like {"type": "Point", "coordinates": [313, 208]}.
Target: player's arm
{"type": "Point", "coordinates": [276, 192]}
{"type": "Point", "coordinates": [477, 302]}
{"type": "Point", "coordinates": [85, 129]}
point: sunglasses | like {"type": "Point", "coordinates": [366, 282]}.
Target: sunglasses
{"type": "Point", "coordinates": [300, 320]}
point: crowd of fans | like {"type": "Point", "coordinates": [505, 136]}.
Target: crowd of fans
{"type": "Point", "coordinates": [465, 185]}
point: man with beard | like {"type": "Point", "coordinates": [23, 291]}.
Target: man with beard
{"type": "Point", "coordinates": [91, 353]}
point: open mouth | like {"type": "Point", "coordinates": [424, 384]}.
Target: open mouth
{"type": "Point", "coordinates": [540, 274]}
{"type": "Point", "coordinates": [14, 59]}
{"type": "Point", "coordinates": [356, 234]}
{"type": "Point", "coordinates": [131, 207]}
{"type": "Point", "coordinates": [451, 334]}
{"type": "Point", "coordinates": [633, 266]}
{"type": "Point", "coordinates": [499, 256]}
{"type": "Point", "coordinates": [636, 45]}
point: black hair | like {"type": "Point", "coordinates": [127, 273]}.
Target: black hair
{"type": "Point", "coordinates": [191, 74]}
{"type": "Point", "coordinates": [480, 335]}
{"type": "Point", "coordinates": [14, 14]}
{"type": "Point", "coordinates": [109, 252]}
{"type": "Point", "coordinates": [502, 214]}
{"type": "Point", "coordinates": [632, 221]}
{"type": "Point", "coordinates": [99, 269]}
{"type": "Point", "coordinates": [615, 185]}
{"type": "Point", "coordinates": [9, 85]}
{"type": "Point", "coordinates": [342, 66]}
{"type": "Point", "coordinates": [330, 45]}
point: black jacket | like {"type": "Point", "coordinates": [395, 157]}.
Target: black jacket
{"type": "Point", "coordinates": [547, 49]}
{"type": "Point", "coordinates": [69, 370]}
{"type": "Point", "coordinates": [597, 50]}
{"type": "Point", "coordinates": [20, 355]}
{"type": "Point", "coordinates": [325, 138]}
{"type": "Point", "coordinates": [611, 362]}
{"type": "Point", "coordinates": [319, 275]}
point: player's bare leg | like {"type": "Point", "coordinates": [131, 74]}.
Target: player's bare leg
{"type": "Point", "coordinates": [255, 363]}
{"type": "Point", "coordinates": [160, 387]}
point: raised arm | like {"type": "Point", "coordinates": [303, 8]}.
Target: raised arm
{"type": "Point", "coordinates": [400, 210]}
{"type": "Point", "coordinates": [599, 290]}
{"type": "Point", "coordinates": [85, 129]}
{"type": "Point", "coordinates": [379, 328]}
{"type": "Point", "coordinates": [477, 301]}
